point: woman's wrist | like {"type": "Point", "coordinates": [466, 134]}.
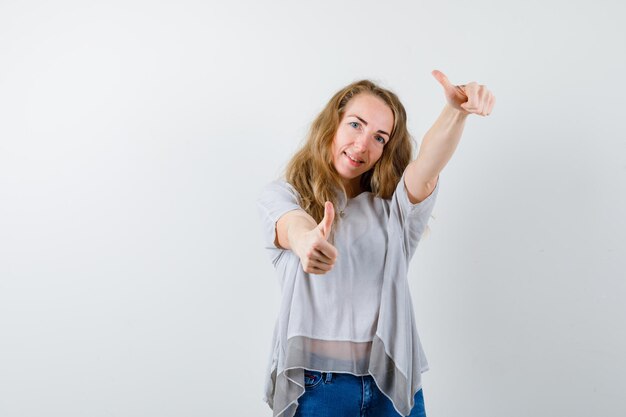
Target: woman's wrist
{"type": "Point", "coordinates": [455, 114]}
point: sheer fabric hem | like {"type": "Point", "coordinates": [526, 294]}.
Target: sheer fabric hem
{"type": "Point", "coordinates": [287, 385]}
{"type": "Point", "coordinates": [392, 382]}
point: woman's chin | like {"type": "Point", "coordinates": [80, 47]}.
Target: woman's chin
{"type": "Point", "coordinates": [349, 176]}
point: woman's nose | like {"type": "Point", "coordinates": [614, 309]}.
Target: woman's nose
{"type": "Point", "coordinates": [360, 143]}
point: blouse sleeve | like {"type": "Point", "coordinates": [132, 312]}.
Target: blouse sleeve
{"type": "Point", "coordinates": [409, 220]}
{"type": "Point", "coordinates": [276, 199]}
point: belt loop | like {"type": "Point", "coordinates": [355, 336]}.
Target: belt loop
{"type": "Point", "coordinates": [327, 376]}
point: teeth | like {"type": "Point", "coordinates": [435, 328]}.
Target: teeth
{"type": "Point", "coordinates": [355, 160]}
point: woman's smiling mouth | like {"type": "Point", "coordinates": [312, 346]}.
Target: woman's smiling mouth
{"type": "Point", "coordinates": [353, 161]}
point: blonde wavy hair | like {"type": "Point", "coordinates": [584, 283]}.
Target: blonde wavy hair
{"type": "Point", "coordinates": [311, 171]}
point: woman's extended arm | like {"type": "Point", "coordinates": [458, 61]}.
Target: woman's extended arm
{"type": "Point", "coordinates": [442, 138]}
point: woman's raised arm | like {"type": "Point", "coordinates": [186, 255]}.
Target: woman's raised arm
{"type": "Point", "coordinates": [442, 138]}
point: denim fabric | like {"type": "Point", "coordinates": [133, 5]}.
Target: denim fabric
{"type": "Point", "coordinates": [345, 395]}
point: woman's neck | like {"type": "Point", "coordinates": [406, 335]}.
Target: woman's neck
{"type": "Point", "coordinates": [353, 187]}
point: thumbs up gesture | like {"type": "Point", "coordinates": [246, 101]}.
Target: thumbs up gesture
{"type": "Point", "coordinates": [316, 254]}
{"type": "Point", "coordinates": [469, 98]}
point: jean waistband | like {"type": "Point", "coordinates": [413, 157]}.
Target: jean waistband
{"type": "Point", "coordinates": [328, 376]}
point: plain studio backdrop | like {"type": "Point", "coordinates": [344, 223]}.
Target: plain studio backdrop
{"type": "Point", "coordinates": [136, 136]}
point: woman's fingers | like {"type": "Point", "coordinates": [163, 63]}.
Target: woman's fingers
{"type": "Point", "coordinates": [471, 91]}
{"type": "Point", "coordinates": [320, 268]}
{"type": "Point", "coordinates": [483, 96]}
{"type": "Point", "coordinates": [327, 250]}
{"type": "Point", "coordinates": [479, 99]}
{"type": "Point", "coordinates": [492, 102]}
{"type": "Point", "coordinates": [316, 254]}
{"type": "Point", "coordinates": [322, 251]}
{"type": "Point", "coordinates": [316, 267]}
{"type": "Point", "coordinates": [319, 256]}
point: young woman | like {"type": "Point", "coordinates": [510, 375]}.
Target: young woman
{"type": "Point", "coordinates": [341, 229]}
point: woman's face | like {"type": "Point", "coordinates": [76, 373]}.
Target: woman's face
{"type": "Point", "coordinates": [362, 133]}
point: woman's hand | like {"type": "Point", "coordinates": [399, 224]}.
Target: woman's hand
{"type": "Point", "coordinates": [316, 254]}
{"type": "Point", "coordinates": [470, 98]}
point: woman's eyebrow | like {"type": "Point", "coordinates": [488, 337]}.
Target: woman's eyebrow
{"type": "Point", "coordinates": [365, 123]}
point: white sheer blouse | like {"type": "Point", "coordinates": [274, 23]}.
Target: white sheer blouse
{"type": "Point", "coordinates": [358, 318]}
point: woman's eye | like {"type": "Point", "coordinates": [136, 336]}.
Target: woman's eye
{"type": "Point", "coordinates": [380, 139]}
{"type": "Point", "coordinates": [354, 124]}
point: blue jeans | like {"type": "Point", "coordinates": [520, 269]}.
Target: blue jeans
{"type": "Point", "coordinates": [345, 395]}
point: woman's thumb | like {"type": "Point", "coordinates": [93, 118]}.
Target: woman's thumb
{"type": "Point", "coordinates": [327, 221]}
{"type": "Point", "coordinates": [442, 79]}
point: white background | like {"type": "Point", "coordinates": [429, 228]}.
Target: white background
{"type": "Point", "coordinates": [134, 140]}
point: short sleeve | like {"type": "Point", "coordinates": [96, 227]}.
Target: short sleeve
{"type": "Point", "coordinates": [409, 220]}
{"type": "Point", "coordinates": [276, 199]}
